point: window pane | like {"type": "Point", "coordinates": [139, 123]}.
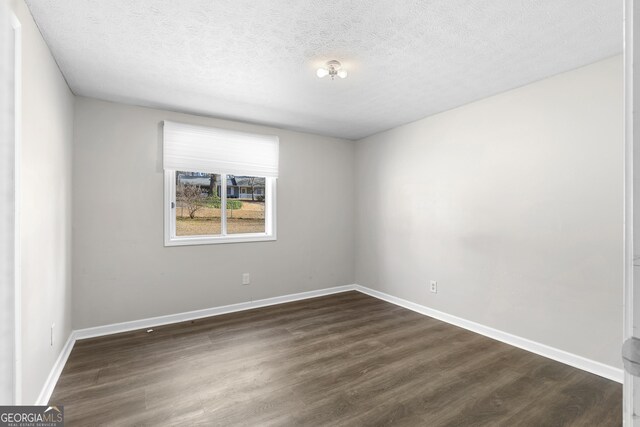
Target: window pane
{"type": "Point", "coordinates": [245, 204]}
{"type": "Point", "coordinates": [197, 204]}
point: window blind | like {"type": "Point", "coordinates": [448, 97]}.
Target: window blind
{"type": "Point", "coordinates": [213, 150]}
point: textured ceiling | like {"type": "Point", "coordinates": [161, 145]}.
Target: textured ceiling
{"type": "Point", "coordinates": [255, 61]}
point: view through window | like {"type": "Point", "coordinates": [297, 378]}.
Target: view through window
{"type": "Point", "coordinates": [198, 199]}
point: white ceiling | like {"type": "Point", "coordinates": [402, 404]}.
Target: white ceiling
{"type": "Point", "coordinates": [255, 60]}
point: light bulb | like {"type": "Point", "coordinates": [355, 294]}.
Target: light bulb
{"type": "Point", "coordinates": [342, 74]}
{"type": "Point", "coordinates": [322, 72]}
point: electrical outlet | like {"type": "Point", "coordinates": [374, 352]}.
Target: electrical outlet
{"type": "Point", "coordinates": [53, 325]}
{"type": "Point", "coordinates": [246, 279]}
{"type": "Point", "coordinates": [433, 286]}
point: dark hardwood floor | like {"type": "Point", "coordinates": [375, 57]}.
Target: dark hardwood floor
{"type": "Point", "coordinates": [344, 359]}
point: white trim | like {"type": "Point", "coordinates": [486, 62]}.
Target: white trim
{"type": "Point", "coordinates": [271, 203]}
{"type": "Point", "coordinates": [17, 266]}
{"type": "Point", "coordinates": [56, 370]}
{"type": "Point", "coordinates": [223, 204]}
{"type": "Point", "coordinates": [58, 366]}
{"type": "Point", "coordinates": [168, 208]}
{"type": "Point", "coordinates": [573, 360]}
{"type": "Point", "coordinates": [133, 325]}
{"type": "Point", "coordinates": [216, 240]}
{"type": "Point", "coordinates": [562, 356]}
{"type": "Point", "coordinates": [627, 329]}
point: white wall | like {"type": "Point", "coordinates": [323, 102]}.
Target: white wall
{"type": "Point", "coordinates": [8, 40]}
{"type": "Point", "coordinates": [123, 272]}
{"type": "Point", "coordinates": [47, 134]}
{"type": "Point", "coordinates": [513, 204]}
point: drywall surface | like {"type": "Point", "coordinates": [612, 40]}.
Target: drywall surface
{"type": "Point", "coordinates": [255, 60]}
{"type": "Point", "coordinates": [514, 204]}
{"type": "Point", "coordinates": [9, 39]}
{"type": "Point", "coordinates": [45, 199]}
{"type": "Point", "coordinates": [122, 271]}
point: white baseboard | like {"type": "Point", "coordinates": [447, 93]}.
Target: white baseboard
{"type": "Point", "coordinates": [207, 312]}
{"type": "Point", "coordinates": [570, 359]}
{"type": "Point", "coordinates": [606, 371]}
{"type": "Point", "coordinates": [54, 375]}
{"type": "Point", "coordinates": [52, 379]}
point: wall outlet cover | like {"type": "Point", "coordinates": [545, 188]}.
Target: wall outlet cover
{"type": "Point", "coordinates": [433, 286]}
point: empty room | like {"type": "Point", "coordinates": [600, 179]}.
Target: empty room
{"type": "Point", "coordinates": [304, 213]}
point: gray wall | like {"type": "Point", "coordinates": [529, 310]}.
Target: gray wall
{"type": "Point", "coordinates": [123, 272]}
{"type": "Point", "coordinates": [47, 135]}
{"type": "Point", "coordinates": [513, 204]}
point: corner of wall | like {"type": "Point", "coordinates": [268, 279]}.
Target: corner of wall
{"type": "Point", "coordinates": [45, 180]}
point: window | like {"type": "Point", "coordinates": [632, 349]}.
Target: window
{"type": "Point", "coordinates": [219, 185]}
{"type": "Point", "coordinates": [197, 204]}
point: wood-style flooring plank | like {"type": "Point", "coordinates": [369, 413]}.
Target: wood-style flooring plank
{"type": "Point", "coordinates": [340, 360]}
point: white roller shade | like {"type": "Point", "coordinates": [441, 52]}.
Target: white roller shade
{"type": "Point", "coordinates": [205, 149]}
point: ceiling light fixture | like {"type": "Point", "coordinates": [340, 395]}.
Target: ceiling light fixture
{"type": "Point", "coordinates": [333, 69]}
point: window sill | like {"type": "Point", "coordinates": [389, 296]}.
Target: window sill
{"type": "Point", "coordinates": [216, 240]}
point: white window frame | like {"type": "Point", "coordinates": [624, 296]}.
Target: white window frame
{"type": "Point", "coordinates": [170, 238]}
